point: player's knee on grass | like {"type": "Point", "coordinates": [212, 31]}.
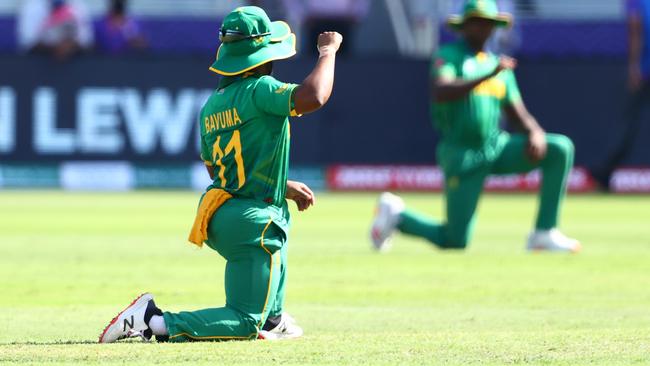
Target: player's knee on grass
{"type": "Point", "coordinates": [213, 324]}
{"type": "Point", "coordinates": [456, 239]}
{"type": "Point", "coordinates": [455, 244]}
{"type": "Point", "coordinates": [252, 323]}
{"type": "Point", "coordinates": [559, 147]}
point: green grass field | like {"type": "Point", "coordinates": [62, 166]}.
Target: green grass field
{"type": "Point", "coordinates": [70, 261]}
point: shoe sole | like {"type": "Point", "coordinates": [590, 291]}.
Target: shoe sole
{"type": "Point", "coordinates": [268, 336]}
{"type": "Point", "coordinates": [536, 249]}
{"type": "Point", "coordinates": [577, 248]}
{"type": "Point", "coordinates": [379, 245]}
{"type": "Point", "coordinates": [114, 320]}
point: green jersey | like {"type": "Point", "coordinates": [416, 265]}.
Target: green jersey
{"type": "Point", "coordinates": [245, 136]}
{"type": "Point", "coordinates": [474, 120]}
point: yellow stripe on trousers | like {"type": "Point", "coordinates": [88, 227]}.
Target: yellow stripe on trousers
{"type": "Point", "coordinates": [266, 301]}
{"type": "Point", "coordinates": [211, 337]}
{"type": "Point", "coordinates": [268, 291]}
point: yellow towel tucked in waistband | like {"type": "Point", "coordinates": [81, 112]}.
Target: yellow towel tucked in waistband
{"type": "Point", "coordinates": [212, 200]}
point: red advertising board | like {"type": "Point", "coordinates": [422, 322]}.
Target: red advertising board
{"type": "Point", "coordinates": [631, 180]}
{"type": "Point", "coordinates": [430, 178]}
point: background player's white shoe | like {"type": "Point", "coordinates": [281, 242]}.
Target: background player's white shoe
{"type": "Point", "coordinates": [129, 323]}
{"type": "Point", "coordinates": [286, 329]}
{"type": "Point", "coordinates": [389, 207]}
{"type": "Point", "coordinates": [552, 240]}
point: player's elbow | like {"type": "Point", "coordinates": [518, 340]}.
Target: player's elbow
{"type": "Point", "coordinates": [210, 169]}
{"type": "Point", "coordinates": [308, 106]}
{"type": "Point", "coordinates": [320, 99]}
{"type": "Point", "coordinates": [307, 101]}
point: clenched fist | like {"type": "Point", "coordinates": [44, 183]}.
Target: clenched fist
{"type": "Point", "coordinates": [505, 63]}
{"type": "Point", "coordinates": [329, 42]}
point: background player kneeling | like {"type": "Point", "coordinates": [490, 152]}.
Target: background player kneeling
{"type": "Point", "coordinates": [471, 89]}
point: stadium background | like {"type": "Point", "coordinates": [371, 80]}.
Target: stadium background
{"type": "Point", "coordinates": [70, 259]}
{"type": "Point", "coordinates": [128, 121]}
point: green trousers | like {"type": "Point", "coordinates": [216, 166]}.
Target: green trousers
{"type": "Point", "coordinates": [255, 249]}
{"type": "Point", "coordinates": [463, 191]}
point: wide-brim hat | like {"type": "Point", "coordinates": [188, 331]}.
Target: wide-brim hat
{"type": "Point", "coordinates": [485, 9]}
{"type": "Point", "coordinates": [249, 39]}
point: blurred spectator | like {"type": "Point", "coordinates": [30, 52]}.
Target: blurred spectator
{"type": "Point", "coordinates": [638, 18]}
{"type": "Point", "coordinates": [317, 16]}
{"type": "Point", "coordinates": [423, 15]}
{"type": "Point", "coordinates": [118, 32]}
{"type": "Point", "coordinates": [56, 27]}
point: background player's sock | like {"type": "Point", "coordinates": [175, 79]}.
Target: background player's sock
{"type": "Point", "coordinates": [158, 326]}
{"type": "Point", "coordinates": [417, 224]}
{"type": "Point", "coordinates": [272, 322]}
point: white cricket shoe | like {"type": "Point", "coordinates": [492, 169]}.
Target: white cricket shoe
{"type": "Point", "coordinates": [552, 240]}
{"type": "Point", "coordinates": [129, 323]}
{"type": "Point", "coordinates": [389, 207]}
{"type": "Point", "coordinates": [287, 329]}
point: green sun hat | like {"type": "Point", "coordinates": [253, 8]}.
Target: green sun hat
{"type": "Point", "coordinates": [486, 9]}
{"type": "Point", "coordinates": [249, 39]}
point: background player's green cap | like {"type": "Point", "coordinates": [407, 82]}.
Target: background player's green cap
{"type": "Point", "coordinates": [486, 9]}
{"type": "Point", "coordinates": [249, 39]}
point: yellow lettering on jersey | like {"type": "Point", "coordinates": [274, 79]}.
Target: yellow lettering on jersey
{"type": "Point", "coordinates": [222, 119]}
{"type": "Point", "coordinates": [491, 87]}
{"type": "Point", "coordinates": [282, 89]}
{"type": "Point", "coordinates": [213, 122]}
{"type": "Point", "coordinates": [229, 118]}
{"type": "Point", "coordinates": [235, 117]}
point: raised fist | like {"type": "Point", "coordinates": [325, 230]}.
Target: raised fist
{"type": "Point", "coordinates": [329, 42]}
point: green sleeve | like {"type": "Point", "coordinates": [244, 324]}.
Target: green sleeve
{"type": "Point", "coordinates": [274, 97]}
{"type": "Point", "coordinates": [512, 89]}
{"type": "Point", "coordinates": [206, 154]}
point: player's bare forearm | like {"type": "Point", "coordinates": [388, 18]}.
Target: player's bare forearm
{"type": "Point", "coordinates": [521, 119]}
{"type": "Point", "coordinates": [519, 116]}
{"type": "Point", "coordinates": [314, 92]}
{"type": "Point", "coordinates": [447, 90]}
{"type": "Point", "coordinates": [450, 90]}
{"type": "Point", "coordinates": [316, 89]}
{"type": "Point", "coordinates": [528, 124]}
